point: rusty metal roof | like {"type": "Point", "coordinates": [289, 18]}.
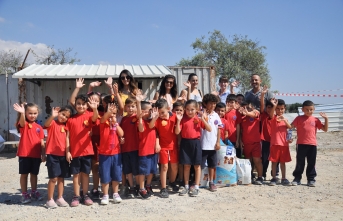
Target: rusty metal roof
{"type": "Point", "coordinates": [91, 71]}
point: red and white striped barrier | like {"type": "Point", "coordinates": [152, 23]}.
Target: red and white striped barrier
{"type": "Point", "coordinates": [308, 95]}
{"type": "Point", "coordinates": [304, 92]}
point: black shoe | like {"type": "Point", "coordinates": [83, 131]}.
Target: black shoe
{"type": "Point", "coordinates": [174, 187]}
{"type": "Point", "coordinates": [144, 194]}
{"type": "Point", "coordinates": [95, 194]}
{"type": "Point", "coordinates": [131, 193]}
{"type": "Point", "coordinates": [164, 193]}
{"type": "Point", "coordinates": [149, 190]}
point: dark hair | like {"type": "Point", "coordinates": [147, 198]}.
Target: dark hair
{"type": "Point", "coordinates": [26, 105]}
{"type": "Point", "coordinates": [194, 102]}
{"type": "Point", "coordinates": [240, 95]}
{"type": "Point", "coordinates": [220, 105]}
{"type": "Point", "coordinates": [102, 95]}
{"type": "Point", "coordinates": [209, 98]}
{"type": "Point", "coordinates": [231, 97]}
{"type": "Point", "coordinates": [145, 105]}
{"type": "Point", "coordinates": [173, 90]}
{"type": "Point", "coordinates": [308, 103]}
{"type": "Point", "coordinates": [82, 97]}
{"type": "Point", "coordinates": [132, 85]}
{"type": "Point", "coordinates": [177, 104]}
{"type": "Point", "coordinates": [269, 104]}
{"type": "Point", "coordinates": [281, 102]}
{"type": "Point", "coordinates": [129, 101]}
{"type": "Point", "coordinates": [223, 79]}
{"type": "Point", "coordinates": [191, 75]}
{"type": "Point", "coordinates": [89, 94]}
{"type": "Point", "coordinates": [67, 108]}
{"type": "Point", "coordinates": [161, 103]}
{"type": "Point", "coordinates": [110, 99]}
{"type": "Point", "coordinates": [245, 103]}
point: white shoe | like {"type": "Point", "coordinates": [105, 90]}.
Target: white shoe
{"type": "Point", "coordinates": [104, 200]}
{"type": "Point", "coordinates": [116, 198]}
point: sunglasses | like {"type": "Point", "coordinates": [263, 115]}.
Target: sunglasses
{"type": "Point", "coordinates": [125, 77]}
{"type": "Point", "coordinates": [170, 82]}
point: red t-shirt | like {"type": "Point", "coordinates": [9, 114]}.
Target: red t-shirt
{"type": "Point", "coordinates": [250, 130]}
{"type": "Point", "coordinates": [129, 126]}
{"type": "Point", "coordinates": [166, 132]}
{"type": "Point", "coordinates": [147, 140]}
{"type": "Point", "coordinates": [80, 126]}
{"type": "Point", "coordinates": [307, 129]}
{"type": "Point", "coordinates": [96, 125]}
{"type": "Point", "coordinates": [31, 136]}
{"type": "Point", "coordinates": [226, 127]}
{"type": "Point", "coordinates": [265, 121]}
{"type": "Point", "coordinates": [191, 127]}
{"type": "Point", "coordinates": [278, 132]}
{"type": "Point", "coordinates": [109, 142]}
{"type": "Point", "coordinates": [56, 141]}
{"type": "Point", "coordinates": [233, 117]}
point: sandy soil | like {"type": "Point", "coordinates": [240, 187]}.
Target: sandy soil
{"type": "Point", "coordinates": [323, 202]}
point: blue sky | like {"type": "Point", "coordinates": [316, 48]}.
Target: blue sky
{"type": "Point", "coordinates": [303, 38]}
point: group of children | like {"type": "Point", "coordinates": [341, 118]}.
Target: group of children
{"type": "Point", "coordinates": [126, 141]}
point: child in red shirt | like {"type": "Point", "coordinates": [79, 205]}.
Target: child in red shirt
{"type": "Point", "coordinates": [129, 148]}
{"type": "Point", "coordinates": [279, 147]}
{"type": "Point", "coordinates": [146, 153]}
{"type": "Point", "coordinates": [307, 126]}
{"type": "Point", "coordinates": [233, 118]}
{"type": "Point", "coordinates": [109, 153]}
{"type": "Point", "coordinates": [164, 122]}
{"type": "Point", "coordinates": [251, 140]}
{"type": "Point", "coordinates": [224, 133]}
{"type": "Point", "coordinates": [31, 149]}
{"type": "Point", "coordinates": [189, 126]}
{"type": "Point", "coordinates": [79, 151]}
{"type": "Point", "coordinates": [57, 165]}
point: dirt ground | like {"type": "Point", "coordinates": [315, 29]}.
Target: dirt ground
{"type": "Point", "coordinates": [323, 202]}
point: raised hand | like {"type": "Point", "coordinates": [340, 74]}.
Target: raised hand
{"type": "Point", "coordinates": [54, 111]}
{"type": "Point", "coordinates": [95, 84]}
{"type": "Point", "coordinates": [323, 115]}
{"type": "Point", "coordinates": [204, 115]}
{"type": "Point", "coordinates": [274, 101]}
{"type": "Point", "coordinates": [179, 116]}
{"type": "Point", "coordinates": [243, 110]}
{"type": "Point", "coordinates": [115, 88]}
{"type": "Point", "coordinates": [187, 84]}
{"type": "Point", "coordinates": [92, 103]}
{"type": "Point", "coordinates": [182, 98]}
{"type": "Point", "coordinates": [109, 81]}
{"type": "Point", "coordinates": [111, 108]}
{"type": "Point", "coordinates": [234, 83]}
{"type": "Point", "coordinates": [140, 97]}
{"type": "Point", "coordinates": [79, 83]}
{"type": "Point", "coordinates": [280, 118]}
{"type": "Point", "coordinates": [264, 89]}
{"type": "Point", "coordinates": [154, 113]}
{"type": "Point", "coordinates": [19, 108]}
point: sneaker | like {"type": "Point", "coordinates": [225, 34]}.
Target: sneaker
{"type": "Point", "coordinates": [296, 182]}
{"type": "Point", "coordinates": [183, 191]}
{"type": "Point", "coordinates": [75, 201]}
{"type": "Point", "coordinates": [87, 200]}
{"type": "Point", "coordinates": [36, 195]}
{"type": "Point", "coordinates": [131, 193]}
{"type": "Point", "coordinates": [311, 183]}
{"type": "Point", "coordinates": [285, 182]}
{"type": "Point", "coordinates": [193, 192]}
{"type": "Point", "coordinates": [61, 202]}
{"type": "Point", "coordinates": [164, 193]}
{"type": "Point", "coordinates": [104, 200]}
{"type": "Point", "coordinates": [174, 187]}
{"type": "Point", "coordinates": [50, 204]}
{"type": "Point", "coordinates": [116, 198]}
{"type": "Point", "coordinates": [149, 190]}
{"type": "Point", "coordinates": [258, 181]}
{"type": "Point", "coordinates": [25, 198]}
{"type": "Point", "coordinates": [95, 194]}
{"type": "Point", "coordinates": [123, 190]}
{"type": "Point", "coordinates": [272, 182]}
{"type": "Point", "coordinates": [144, 194]}
{"type": "Point", "coordinates": [213, 187]}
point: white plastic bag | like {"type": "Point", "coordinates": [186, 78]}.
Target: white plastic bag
{"type": "Point", "coordinates": [226, 174]}
{"type": "Point", "coordinates": [243, 171]}
{"type": "Point", "coordinates": [204, 178]}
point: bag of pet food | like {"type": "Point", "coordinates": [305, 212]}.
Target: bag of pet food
{"type": "Point", "coordinates": [243, 171]}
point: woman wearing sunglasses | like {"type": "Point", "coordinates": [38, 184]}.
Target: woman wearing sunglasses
{"type": "Point", "coordinates": [168, 90]}
{"type": "Point", "coordinates": [127, 85]}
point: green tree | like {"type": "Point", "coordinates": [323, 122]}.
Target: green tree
{"type": "Point", "coordinates": [238, 59]}
{"type": "Point", "coordinates": [56, 56]}
{"type": "Point", "coordinates": [293, 108]}
{"type": "Point", "coordinates": [10, 61]}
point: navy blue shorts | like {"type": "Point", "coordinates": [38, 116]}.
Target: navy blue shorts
{"type": "Point", "coordinates": [190, 152]}
{"type": "Point", "coordinates": [81, 164]}
{"type": "Point", "coordinates": [110, 168]}
{"type": "Point", "coordinates": [130, 162]}
{"type": "Point", "coordinates": [147, 164]}
{"type": "Point", "coordinates": [57, 166]}
{"type": "Point", "coordinates": [211, 157]}
{"type": "Point", "coordinates": [29, 165]}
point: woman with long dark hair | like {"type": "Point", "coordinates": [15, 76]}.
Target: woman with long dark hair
{"type": "Point", "coordinates": [127, 85]}
{"type": "Point", "coordinates": [192, 92]}
{"type": "Point", "coordinates": [168, 90]}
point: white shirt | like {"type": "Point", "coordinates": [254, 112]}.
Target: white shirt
{"type": "Point", "coordinates": [208, 140]}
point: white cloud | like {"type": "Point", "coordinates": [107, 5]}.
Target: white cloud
{"type": "Point", "coordinates": [39, 48]}
{"type": "Point", "coordinates": [2, 20]}
{"type": "Point", "coordinates": [155, 26]}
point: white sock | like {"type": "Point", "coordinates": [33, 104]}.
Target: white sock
{"type": "Point", "coordinates": [196, 186]}
{"type": "Point", "coordinates": [187, 186]}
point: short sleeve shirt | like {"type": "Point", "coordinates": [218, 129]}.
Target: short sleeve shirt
{"type": "Point", "coordinates": [250, 130]}
{"type": "Point", "coordinates": [223, 96]}
{"type": "Point", "coordinates": [278, 132]}
{"type": "Point", "coordinates": [265, 132]}
{"type": "Point", "coordinates": [208, 139]}
{"type": "Point", "coordinates": [255, 98]}
{"type": "Point", "coordinates": [56, 141]}
{"type": "Point", "coordinates": [109, 142]}
{"type": "Point", "coordinates": [31, 136]}
{"type": "Point", "coordinates": [191, 127]}
{"type": "Point", "coordinates": [147, 140]}
{"type": "Point", "coordinates": [307, 129]}
{"type": "Point", "coordinates": [233, 117]}
{"type": "Point", "coordinates": [129, 126]}
{"type": "Point", "coordinates": [166, 132]}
